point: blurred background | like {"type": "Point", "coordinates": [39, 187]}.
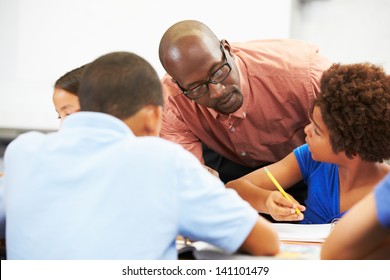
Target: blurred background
{"type": "Point", "coordinates": [41, 40]}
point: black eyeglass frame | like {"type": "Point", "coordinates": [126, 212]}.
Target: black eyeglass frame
{"type": "Point", "coordinates": [209, 81]}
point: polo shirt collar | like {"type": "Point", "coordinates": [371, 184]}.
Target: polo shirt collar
{"type": "Point", "coordinates": [96, 120]}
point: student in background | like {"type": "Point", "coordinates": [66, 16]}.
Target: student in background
{"type": "Point", "coordinates": [65, 97]}
{"type": "Point", "coordinates": [94, 190]}
{"type": "Point", "coordinates": [363, 232]}
{"type": "Point", "coordinates": [244, 103]}
{"type": "Point", "coordinates": [347, 141]}
{"type": "Point", "coordinates": [66, 102]}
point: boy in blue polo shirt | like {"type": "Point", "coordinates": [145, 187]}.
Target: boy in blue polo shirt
{"type": "Point", "coordinates": [106, 187]}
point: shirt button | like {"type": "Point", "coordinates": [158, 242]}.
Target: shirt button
{"type": "Point", "coordinates": [243, 154]}
{"type": "Point", "coordinates": [232, 129]}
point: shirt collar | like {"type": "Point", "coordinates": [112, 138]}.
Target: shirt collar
{"type": "Point", "coordinates": [96, 120]}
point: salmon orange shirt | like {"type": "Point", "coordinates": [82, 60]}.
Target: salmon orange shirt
{"type": "Point", "coordinates": [278, 78]}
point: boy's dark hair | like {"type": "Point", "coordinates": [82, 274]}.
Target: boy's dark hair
{"type": "Point", "coordinates": [119, 84]}
{"type": "Point", "coordinates": [70, 81]}
{"type": "Point", "coordinates": [355, 107]}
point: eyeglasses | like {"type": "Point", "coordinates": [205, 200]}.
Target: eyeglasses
{"type": "Point", "coordinates": [218, 77]}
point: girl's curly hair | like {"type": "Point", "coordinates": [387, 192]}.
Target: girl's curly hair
{"type": "Point", "coordinates": [355, 106]}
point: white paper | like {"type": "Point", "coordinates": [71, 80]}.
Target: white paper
{"type": "Point", "coordinates": [302, 232]}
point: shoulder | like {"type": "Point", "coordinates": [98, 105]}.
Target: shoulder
{"type": "Point", "coordinates": [382, 200]}
{"type": "Point", "coordinates": [307, 164]}
{"type": "Point", "coordinates": [163, 147]}
{"type": "Point", "coordinates": [169, 86]}
{"type": "Point", "coordinates": [383, 186]}
{"type": "Point", "coordinates": [183, 166]}
{"type": "Point", "coordinates": [303, 156]}
{"type": "Point", "coordinates": [25, 143]}
{"type": "Point", "coordinates": [173, 95]}
{"type": "Point", "coordinates": [302, 151]}
{"type": "Point", "coordinates": [287, 58]}
{"type": "Point", "coordinates": [27, 139]}
{"type": "Point", "coordinates": [284, 45]}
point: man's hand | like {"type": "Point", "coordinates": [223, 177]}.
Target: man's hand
{"type": "Point", "coordinates": [212, 171]}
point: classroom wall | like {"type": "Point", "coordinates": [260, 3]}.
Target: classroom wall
{"type": "Point", "coordinates": [41, 40]}
{"type": "Point", "coordinates": [347, 31]}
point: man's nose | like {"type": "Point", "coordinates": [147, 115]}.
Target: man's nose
{"type": "Point", "coordinates": [216, 90]}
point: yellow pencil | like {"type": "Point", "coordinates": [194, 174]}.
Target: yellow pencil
{"type": "Point", "coordinates": [276, 183]}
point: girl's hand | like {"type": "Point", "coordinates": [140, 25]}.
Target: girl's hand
{"type": "Point", "coordinates": [281, 209]}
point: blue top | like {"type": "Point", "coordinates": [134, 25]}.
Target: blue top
{"type": "Point", "coordinates": [382, 198]}
{"type": "Point", "coordinates": [93, 190]}
{"type": "Point", "coordinates": [2, 209]}
{"type": "Point", "coordinates": [323, 200]}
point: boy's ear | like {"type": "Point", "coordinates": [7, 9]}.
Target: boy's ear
{"type": "Point", "coordinates": [153, 120]}
{"type": "Point", "coordinates": [146, 122]}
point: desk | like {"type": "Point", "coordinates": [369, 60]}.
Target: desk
{"type": "Point", "coordinates": [200, 250]}
{"type": "Point", "coordinates": [3, 253]}
{"type": "Point", "coordinates": [298, 242]}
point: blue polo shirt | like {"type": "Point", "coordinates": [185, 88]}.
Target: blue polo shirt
{"type": "Point", "coordinates": [93, 190]}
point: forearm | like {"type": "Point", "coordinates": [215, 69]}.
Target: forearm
{"type": "Point", "coordinates": [357, 234]}
{"type": "Point", "coordinates": [254, 195]}
{"type": "Point", "coordinates": [262, 240]}
{"type": "Point", "coordinates": [348, 247]}
{"type": "Point", "coordinates": [2, 209]}
{"type": "Point", "coordinates": [381, 252]}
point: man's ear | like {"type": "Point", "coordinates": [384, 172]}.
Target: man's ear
{"type": "Point", "coordinates": [226, 46]}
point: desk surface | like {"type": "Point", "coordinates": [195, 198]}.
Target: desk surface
{"type": "Point", "coordinates": [288, 251]}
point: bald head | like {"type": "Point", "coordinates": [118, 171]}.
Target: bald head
{"type": "Point", "coordinates": [192, 55]}
{"type": "Point", "coordinates": [183, 40]}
